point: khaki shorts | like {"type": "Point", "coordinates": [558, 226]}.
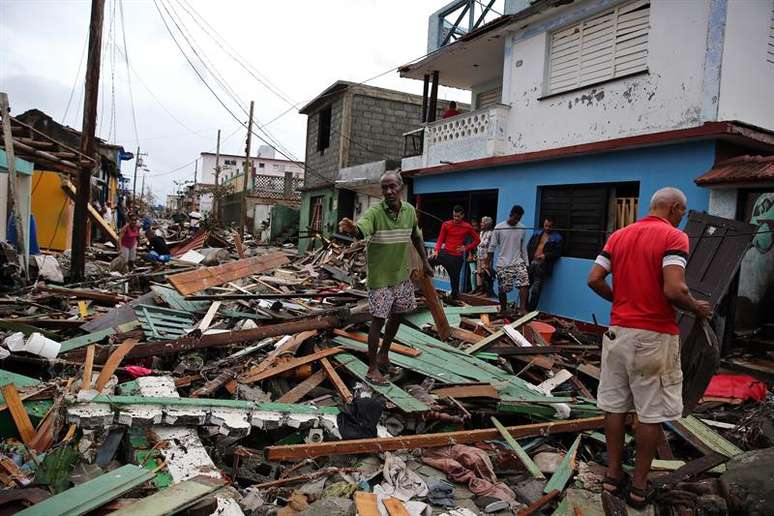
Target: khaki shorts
{"type": "Point", "coordinates": [641, 372]}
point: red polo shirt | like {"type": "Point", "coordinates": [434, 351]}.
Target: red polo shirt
{"type": "Point", "coordinates": [454, 234]}
{"type": "Point", "coordinates": [636, 256]}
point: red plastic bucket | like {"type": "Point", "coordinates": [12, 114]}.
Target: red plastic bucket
{"type": "Point", "coordinates": [545, 330]}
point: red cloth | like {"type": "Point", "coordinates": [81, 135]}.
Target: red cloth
{"type": "Point", "coordinates": [450, 113]}
{"type": "Point", "coordinates": [737, 386]}
{"type": "Point", "coordinates": [636, 256]}
{"type": "Point", "coordinates": [453, 234]}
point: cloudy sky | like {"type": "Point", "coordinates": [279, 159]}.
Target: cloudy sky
{"type": "Point", "coordinates": [289, 52]}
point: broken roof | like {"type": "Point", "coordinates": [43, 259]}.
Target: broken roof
{"type": "Point", "coordinates": [740, 170]}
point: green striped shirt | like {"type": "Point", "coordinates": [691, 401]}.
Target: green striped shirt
{"type": "Point", "coordinates": [389, 241]}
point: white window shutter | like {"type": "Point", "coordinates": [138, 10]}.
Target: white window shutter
{"type": "Point", "coordinates": [609, 45]}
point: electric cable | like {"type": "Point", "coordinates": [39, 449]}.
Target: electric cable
{"type": "Point", "coordinates": [76, 80]}
{"type": "Point", "coordinates": [128, 72]}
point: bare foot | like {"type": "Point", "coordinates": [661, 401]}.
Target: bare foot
{"type": "Point", "coordinates": [375, 377]}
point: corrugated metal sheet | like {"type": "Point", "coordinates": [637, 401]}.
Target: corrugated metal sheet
{"type": "Point", "coordinates": [742, 169]}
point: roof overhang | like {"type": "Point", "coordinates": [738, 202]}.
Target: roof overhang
{"type": "Point", "coordinates": [740, 171]}
{"type": "Point", "coordinates": [732, 132]}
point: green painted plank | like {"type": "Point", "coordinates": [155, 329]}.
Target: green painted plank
{"type": "Point", "coordinates": [708, 436]}
{"type": "Point", "coordinates": [172, 499]}
{"type": "Point", "coordinates": [26, 329]}
{"type": "Point", "coordinates": [428, 368]}
{"type": "Point", "coordinates": [91, 338]}
{"type": "Point", "coordinates": [565, 469]}
{"type": "Point", "coordinates": [487, 341]}
{"type": "Point", "coordinates": [92, 494]}
{"type": "Point", "coordinates": [516, 447]}
{"type": "Point", "coordinates": [405, 401]}
{"type": "Point", "coordinates": [207, 402]}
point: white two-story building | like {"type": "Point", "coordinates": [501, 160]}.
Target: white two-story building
{"type": "Point", "coordinates": [582, 109]}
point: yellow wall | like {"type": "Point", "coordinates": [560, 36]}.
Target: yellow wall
{"type": "Point", "coordinates": [53, 211]}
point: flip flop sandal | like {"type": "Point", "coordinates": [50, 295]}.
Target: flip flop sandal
{"type": "Point", "coordinates": [646, 495]}
{"type": "Point", "coordinates": [619, 485]}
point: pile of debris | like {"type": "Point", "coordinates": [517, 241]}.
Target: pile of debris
{"type": "Point", "coordinates": [233, 381]}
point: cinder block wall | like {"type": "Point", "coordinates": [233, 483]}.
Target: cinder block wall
{"type": "Point", "coordinates": [321, 166]}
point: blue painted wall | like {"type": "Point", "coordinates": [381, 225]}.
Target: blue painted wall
{"type": "Point", "coordinates": [566, 292]}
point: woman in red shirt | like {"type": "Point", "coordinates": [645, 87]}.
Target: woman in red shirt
{"type": "Point", "coordinates": [129, 236]}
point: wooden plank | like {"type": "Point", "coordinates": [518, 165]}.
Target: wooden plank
{"type": "Point", "coordinates": [92, 494]}
{"type": "Point", "coordinates": [405, 401]}
{"type": "Point", "coordinates": [378, 445]}
{"type": "Point", "coordinates": [172, 499]}
{"type": "Point", "coordinates": [703, 437]}
{"type": "Point", "coordinates": [87, 368]}
{"type": "Point", "coordinates": [105, 298]}
{"type": "Point", "coordinates": [336, 380]}
{"type": "Point", "coordinates": [201, 279]}
{"type": "Point", "coordinates": [434, 304]}
{"type": "Point", "coordinates": [525, 459]}
{"type": "Point", "coordinates": [290, 365]}
{"type": "Point", "coordinates": [112, 363]}
{"type": "Point", "coordinates": [303, 388]}
{"type": "Point", "coordinates": [395, 507]}
{"type": "Point", "coordinates": [489, 340]}
{"type": "Point", "coordinates": [565, 469]}
{"type": "Point", "coordinates": [539, 503]}
{"type": "Point", "coordinates": [366, 504]}
{"type": "Point", "coordinates": [395, 347]}
{"type": "Point", "coordinates": [690, 469]}
{"type": "Point", "coordinates": [468, 391]}
{"type": "Point", "coordinates": [19, 414]}
{"type": "Point", "coordinates": [209, 316]}
{"type": "Point", "coordinates": [106, 228]}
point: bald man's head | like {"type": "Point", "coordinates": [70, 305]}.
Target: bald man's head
{"type": "Point", "coordinates": [669, 203]}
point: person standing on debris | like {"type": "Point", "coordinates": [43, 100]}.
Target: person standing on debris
{"type": "Point", "coordinates": [129, 236]}
{"type": "Point", "coordinates": [640, 368]}
{"type": "Point", "coordinates": [389, 227]}
{"type": "Point", "coordinates": [510, 236]}
{"type": "Point", "coordinates": [483, 277]}
{"type": "Point", "coordinates": [543, 249]}
{"type": "Point", "coordinates": [450, 248]}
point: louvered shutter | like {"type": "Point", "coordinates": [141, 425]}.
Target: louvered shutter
{"type": "Point", "coordinates": [489, 98]}
{"type": "Point", "coordinates": [609, 45]}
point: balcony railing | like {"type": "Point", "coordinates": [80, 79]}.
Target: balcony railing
{"type": "Point", "coordinates": [465, 137]}
{"type": "Point", "coordinates": [277, 187]}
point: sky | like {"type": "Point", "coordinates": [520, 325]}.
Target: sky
{"type": "Point", "coordinates": [297, 48]}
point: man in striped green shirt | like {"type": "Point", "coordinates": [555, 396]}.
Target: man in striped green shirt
{"type": "Point", "coordinates": [390, 228]}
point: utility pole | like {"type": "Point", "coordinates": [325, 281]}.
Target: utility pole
{"type": "Point", "coordinates": [13, 197]}
{"type": "Point", "coordinates": [134, 181]}
{"type": "Point", "coordinates": [247, 167]}
{"type": "Point", "coordinates": [88, 143]}
{"type": "Point", "coordinates": [142, 189]}
{"type": "Point", "coordinates": [216, 195]}
{"type": "Point", "coordinates": [196, 171]}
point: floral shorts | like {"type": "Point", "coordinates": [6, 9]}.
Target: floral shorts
{"type": "Point", "coordinates": [514, 275]}
{"type": "Point", "coordinates": [395, 299]}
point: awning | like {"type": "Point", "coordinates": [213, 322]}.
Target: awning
{"type": "Point", "coordinates": [740, 170]}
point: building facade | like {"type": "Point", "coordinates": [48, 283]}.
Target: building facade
{"type": "Point", "coordinates": [583, 109]}
{"type": "Point", "coordinates": [354, 133]}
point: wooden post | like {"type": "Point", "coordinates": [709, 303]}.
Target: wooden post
{"type": "Point", "coordinates": [134, 181]}
{"type": "Point", "coordinates": [216, 194]}
{"type": "Point", "coordinates": [433, 110]}
{"type": "Point", "coordinates": [247, 168]}
{"type": "Point", "coordinates": [88, 143]}
{"type": "Point", "coordinates": [13, 198]}
{"type": "Point", "coordinates": [424, 98]}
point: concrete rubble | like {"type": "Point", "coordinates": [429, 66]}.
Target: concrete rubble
{"type": "Point", "coordinates": [236, 372]}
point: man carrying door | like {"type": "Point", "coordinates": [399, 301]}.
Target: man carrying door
{"type": "Point", "coordinates": [389, 228]}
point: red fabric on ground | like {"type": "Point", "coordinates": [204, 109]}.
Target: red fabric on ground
{"type": "Point", "coordinates": [737, 386]}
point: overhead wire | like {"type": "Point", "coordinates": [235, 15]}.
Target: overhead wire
{"type": "Point", "coordinates": [76, 80]}
{"type": "Point", "coordinates": [128, 72]}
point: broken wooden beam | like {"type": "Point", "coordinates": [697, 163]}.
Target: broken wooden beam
{"type": "Point", "coordinates": [489, 340]}
{"type": "Point", "coordinates": [103, 298]}
{"type": "Point", "coordinates": [191, 342]}
{"type": "Point", "coordinates": [434, 305]}
{"type": "Point", "coordinates": [358, 446]}
{"type": "Point", "coordinates": [290, 365]}
{"type": "Point", "coordinates": [18, 413]}
{"type": "Point", "coordinates": [274, 295]}
{"type": "Point", "coordinates": [525, 459]}
{"type": "Point", "coordinates": [303, 388]}
{"type": "Point", "coordinates": [690, 469]}
{"type": "Point", "coordinates": [201, 279]}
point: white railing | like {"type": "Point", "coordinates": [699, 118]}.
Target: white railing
{"type": "Point", "coordinates": [474, 135]}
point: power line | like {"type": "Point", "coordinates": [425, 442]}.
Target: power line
{"type": "Point", "coordinates": [128, 73]}
{"type": "Point", "coordinates": [75, 81]}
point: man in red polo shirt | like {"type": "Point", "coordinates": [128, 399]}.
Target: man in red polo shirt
{"type": "Point", "coordinates": [451, 247]}
{"type": "Point", "coordinates": [641, 351]}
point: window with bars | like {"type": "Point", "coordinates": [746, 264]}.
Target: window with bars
{"type": "Point", "coordinates": [606, 46]}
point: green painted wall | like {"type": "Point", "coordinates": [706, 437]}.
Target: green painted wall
{"type": "Point", "coordinates": [329, 217]}
{"type": "Point", "coordinates": [282, 217]}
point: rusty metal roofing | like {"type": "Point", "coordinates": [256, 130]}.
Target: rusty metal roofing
{"type": "Point", "coordinates": [742, 169]}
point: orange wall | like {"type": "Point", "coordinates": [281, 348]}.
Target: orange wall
{"type": "Point", "coordinates": [53, 211]}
